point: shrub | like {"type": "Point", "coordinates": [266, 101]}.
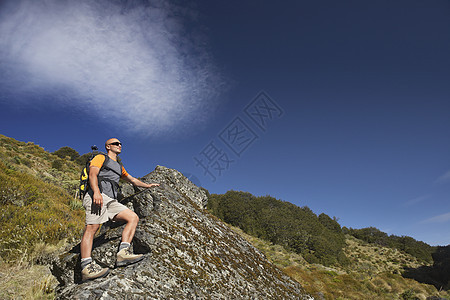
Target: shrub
{"type": "Point", "coordinates": [83, 159]}
{"type": "Point", "coordinates": [57, 164]}
{"type": "Point", "coordinates": [372, 235]}
{"type": "Point", "coordinates": [65, 151]}
{"type": "Point", "coordinates": [319, 239]}
{"type": "Point", "coordinates": [33, 211]}
{"type": "Point", "coordinates": [409, 295]}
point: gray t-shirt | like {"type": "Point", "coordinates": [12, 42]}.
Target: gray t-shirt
{"type": "Point", "coordinates": [109, 175]}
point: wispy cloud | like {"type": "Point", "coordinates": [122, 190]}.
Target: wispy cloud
{"type": "Point", "coordinates": [416, 200]}
{"type": "Point", "coordinates": [444, 178]}
{"type": "Point", "coordinates": [130, 61]}
{"type": "Point", "coordinates": [443, 218]}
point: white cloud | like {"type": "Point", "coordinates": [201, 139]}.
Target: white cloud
{"type": "Point", "coordinates": [124, 61]}
{"type": "Point", "coordinates": [416, 200]}
{"type": "Point", "coordinates": [438, 219]}
{"type": "Point", "coordinates": [444, 178]}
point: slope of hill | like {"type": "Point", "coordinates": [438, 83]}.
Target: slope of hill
{"type": "Point", "coordinates": [418, 249]}
{"type": "Point", "coordinates": [190, 254]}
{"type": "Point", "coordinates": [318, 238]}
{"type": "Point", "coordinates": [373, 272]}
{"type": "Point", "coordinates": [185, 245]}
{"type": "Point", "coordinates": [284, 226]}
{"type": "Point", "coordinates": [32, 159]}
{"type": "Point", "coordinates": [33, 209]}
{"type": "Point", "coordinates": [38, 215]}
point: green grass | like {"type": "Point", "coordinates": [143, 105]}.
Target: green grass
{"type": "Point", "coordinates": [33, 211]}
{"type": "Point", "coordinates": [38, 216]}
{"type": "Point", "coordinates": [32, 159]}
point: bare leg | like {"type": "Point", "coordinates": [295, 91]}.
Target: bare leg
{"type": "Point", "coordinates": [132, 220]}
{"type": "Point", "coordinates": [94, 271]}
{"type": "Point", "coordinates": [87, 240]}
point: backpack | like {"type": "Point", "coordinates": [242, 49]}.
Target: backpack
{"type": "Point", "coordinates": [84, 176]}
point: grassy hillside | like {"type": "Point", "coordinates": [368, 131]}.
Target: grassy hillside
{"type": "Point", "coordinates": [373, 272]}
{"type": "Point", "coordinates": [38, 213]}
{"type": "Point", "coordinates": [319, 239]}
{"type": "Point", "coordinates": [31, 159]}
{"type": "Point", "coordinates": [418, 249]}
{"type": "Point", "coordinates": [330, 260]}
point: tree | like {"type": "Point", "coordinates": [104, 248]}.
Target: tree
{"type": "Point", "coordinates": [65, 151]}
{"type": "Point", "coordinates": [83, 159]}
{"type": "Point", "coordinates": [282, 223]}
{"type": "Point", "coordinates": [329, 223]}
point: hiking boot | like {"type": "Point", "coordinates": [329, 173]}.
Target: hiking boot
{"type": "Point", "coordinates": [126, 257]}
{"type": "Point", "coordinates": [93, 271]}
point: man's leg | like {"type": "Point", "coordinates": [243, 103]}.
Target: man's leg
{"type": "Point", "coordinates": [89, 269]}
{"type": "Point", "coordinates": [125, 256]}
{"type": "Point", "coordinates": [132, 220]}
{"type": "Point", "coordinates": [87, 240]}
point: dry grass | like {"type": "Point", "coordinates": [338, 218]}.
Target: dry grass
{"type": "Point", "coordinates": [33, 211]}
{"type": "Point", "coordinates": [374, 272]}
{"type": "Point", "coordinates": [374, 259]}
{"type": "Point", "coordinates": [37, 216]}
{"type": "Point", "coordinates": [22, 280]}
{"type": "Point", "coordinates": [32, 159]}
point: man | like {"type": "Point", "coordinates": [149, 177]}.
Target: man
{"type": "Point", "coordinates": [101, 205]}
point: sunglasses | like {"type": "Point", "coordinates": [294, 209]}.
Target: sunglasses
{"type": "Point", "coordinates": [116, 144]}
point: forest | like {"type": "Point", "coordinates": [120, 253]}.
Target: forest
{"type": "Point", "coordinates": [318, 238]}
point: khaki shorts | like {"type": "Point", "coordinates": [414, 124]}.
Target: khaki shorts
{"type": "Point", "coordinates": [96, 215]}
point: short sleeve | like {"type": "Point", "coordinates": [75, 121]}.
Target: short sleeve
{"type": "Point", "coordinates": [98, 161]}
{"type": "Point", "coordinates": [124, 172]}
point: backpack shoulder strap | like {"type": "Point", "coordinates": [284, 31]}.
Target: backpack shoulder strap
{"type": "Point", "coordinates": [105, 164]}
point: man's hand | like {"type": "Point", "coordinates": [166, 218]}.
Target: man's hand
{"type": "Point", "coordinates": [93, 182]}
{"type": "Point", "coordinates": [152, 184]}
{"type": "Point", "coordinates": [98, 199]}
{"type": "Point", "coordinates": [138, 183]}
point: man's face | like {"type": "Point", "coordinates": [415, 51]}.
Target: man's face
{"type": "Point", "coordinates": [114, 145]}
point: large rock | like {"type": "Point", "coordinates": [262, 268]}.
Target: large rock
{"type": "Point", "coordinates": [190, 254]}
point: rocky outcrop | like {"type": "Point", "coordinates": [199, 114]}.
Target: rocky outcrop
{"type": "Point", "coordinates": [190, 254]}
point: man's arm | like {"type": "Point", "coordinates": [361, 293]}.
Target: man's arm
{"type": "Point", "coordinates": [93, 184]}
{"type": "Point", "coordinates": [138, 183]}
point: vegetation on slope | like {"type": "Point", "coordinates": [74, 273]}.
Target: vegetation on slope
{"type": "Point", "coordinates": [373, 272]}
{"type": "Point", "coordinates": [31, 159]}
{"type": "Point", "coordinates": [38, 213]}
{"type": "Point", "coordinates": [406, 244]}
{"type": "Point", "coordinates": [319, 239]}
{"type": "Point", "coordinates": [33, 211]}
{"type": "Point", "coordinates": [438, 274]}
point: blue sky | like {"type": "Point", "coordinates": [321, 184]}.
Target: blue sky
{"type": "Point", "coordinates": [342, 106]}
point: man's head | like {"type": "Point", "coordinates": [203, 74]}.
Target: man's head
{"type": "Point", "coordinates": [113, 145]}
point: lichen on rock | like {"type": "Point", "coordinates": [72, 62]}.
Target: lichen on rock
{"type": "Point", "coordinates": [189, 254]}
